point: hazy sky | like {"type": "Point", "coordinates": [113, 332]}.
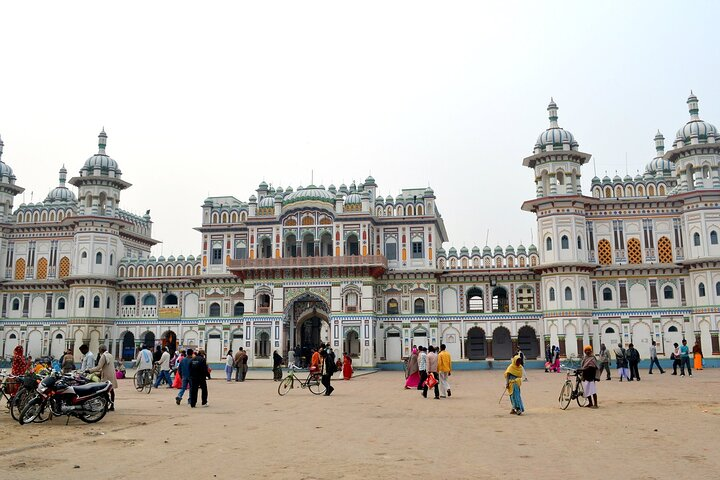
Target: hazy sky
{"type": "Point", "coordinates": [204, 98]}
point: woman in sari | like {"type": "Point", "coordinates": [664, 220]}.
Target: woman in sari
{"type": "Point", "coordinates": [347, 366]}
{"type": "Point", "coordinates": [413, 379]}
{"type": "Point", "coordinates": [556, 359]}
{"type": "Point", "coordinates": [513, 381]}
{"type": "Point", "coordinates": [697, 356]}
{"type": "Point", "coordinates": [589, 371]}
{"type": "Point", "coordinates": [19, 364]}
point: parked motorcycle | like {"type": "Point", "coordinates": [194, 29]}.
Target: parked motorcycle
{"type": "Point", "coordinates": [63, 396]}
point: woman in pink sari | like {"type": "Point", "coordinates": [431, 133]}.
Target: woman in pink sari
{"type": "Point", "coordinates": [413, 379]}
{"type": "Point", "coordinates": [347, 367]}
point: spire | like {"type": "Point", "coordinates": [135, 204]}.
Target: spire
{"type": "Point", "coordinates": [63, 176]}
{"type": "Point", "coordinates": [102, 142]}
{"type": "Point", "coordinates": [692, 102]}
{"type": "Point", "coordinates": [659, 144]}
{"type": "Point", "coordinates": [552, 113]}
{"type": "Point", "coordinates": [1, 148]}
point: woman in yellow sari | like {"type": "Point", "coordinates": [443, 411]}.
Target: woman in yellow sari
{"type": "Point", "coordinates": [697, 356]}
{"type": "Point", "coordinates": [513, 381]}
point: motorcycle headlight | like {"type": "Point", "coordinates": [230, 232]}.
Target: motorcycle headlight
{"type": "Point", "coordinates": [42, 388]}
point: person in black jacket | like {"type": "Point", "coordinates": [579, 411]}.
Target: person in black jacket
{"type": "Point", "coordinates": [621, 362]}
{"type": "Point", "coordinates": [277, 366]}
{"type": "Point", "coordinates": [633, 360]}
{"type": "Point", "coordinates": [198, 378]}
{"type": "Point", "coordinates": [327, 368]}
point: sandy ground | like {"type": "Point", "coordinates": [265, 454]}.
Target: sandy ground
{"type": "Point", "coordinates": [664, 427]}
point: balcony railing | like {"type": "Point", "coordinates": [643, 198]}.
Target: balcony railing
{"type": "Point", "coordinates": [148, 312]}
{"type": "Point", "coordinates": [127, 311]}
{"type": "Point", "coordinates": [310, 262]}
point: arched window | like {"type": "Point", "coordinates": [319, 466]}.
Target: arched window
{"type": "Point", "coordinates": [713, 238]}
{"type": "Point", "coordinates": [112, 257]}
{"type": "Point", "coordinates": [604, 252]}
{"type": "Point", "coordinates": [81, 302]}
{"type": "Point", "coordinates": [171, 299]}
{"type": "Point", "coordinates": [634, 251]}
{"type": "Point", "coordinates": [98, 258]}
{"type": "Point", "coordinates": [500, 300]}
{"type": "Point", "coordinates": [96, 301]}
{"type": "Point", "coordinates": [609, 330]}
{"type": "Point", "coordinates": [16, 304]}
{"type": "Point", "coordinates": [419, 306]}
{"type": "Point", "coordinates": [717, 289]}
{"type": "Point", "coordinates": [668, 292]}
{"type": "Point", "coordinates": [83, 255]}
{"type": "Point", "coordinates": [475, 301]}
{"type": "Point", "coordinates": [701, 290]}
{"type": "Point", "coordinates": [551, 294]}
{"type": "Point", "coordinates": [61, 304]}
{"type": "Point", "coordinates": [548, 244]}
{"type": "Point", "coordinates": [239, 309]}
{"type": "Point", "coordinates": [696, 239]}
{"type": "Point", "coordinates": [392, 307]}
{"type": "Point", "coordinates": [149, 300]}
{"type": "Point", "coordinates": [579, 242]}
{"type": "Point", "coordinates": [665, 250]}
{"type": "Point", "coordinates": [564, 242]}
{"type": "Point", "coordinates": [129, 300]}
{"type": "Point", "coordinates": [582, 294]}
{"type": "Point", "coordinates": [607, 294]}
{"type": "Point", "coordinates": [214, 310]}
{"type": "Point", "coordinates": [568, 294]}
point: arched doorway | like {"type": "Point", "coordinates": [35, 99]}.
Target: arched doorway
{"type": "Point", "coordinates": [352, 344]}
{"type": "Point", "coordinates": [149, 340]}
{"type": "Point", "coordinates": [313, 331]}
{"type": "Point", "coordinates": [502, 344]}
{"type": "Point", "coordinates": [393, 346]}
{"type": "Point", "coordinates": [475, 344]}
{"type": "Point", "coordinates": [528, 342]}
{"type": "Point", "coordinates": [169, 340]}
{"type": "Point", "coordinates": [57, 345]}
{"type": "Point", "coordinates": [308, 323]}
{"type": "Point", "coordinates": [610, 337]}
{"type": "Point", "coordinates": [128, 346]}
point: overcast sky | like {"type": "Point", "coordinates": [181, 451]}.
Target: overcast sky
{"type": "Point", "coordinates": [210, 98]}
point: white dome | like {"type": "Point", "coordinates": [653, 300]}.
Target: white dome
{"type": "Point", "coordinates": [695, 127]}
{"type": "Point", "coordinates": [100, 160]}
{"type": "Point", "coordinates": [554, 138]}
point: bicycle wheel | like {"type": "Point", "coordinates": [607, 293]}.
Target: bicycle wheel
{"type": "Point", "coordinates": [565, 395]}
{"type": "Point", "coordinates": [18, 402]}
{"type": "Point", "coordinates": [285, 385]}
{"type": "Point", "coordinates": [315, 386]}
{"type": "Point", "coordinates": [138, 380]}
{"type": "Point", "coordinates": [581, 400]}
{"type": "Point", "coordinates": [149, 381]}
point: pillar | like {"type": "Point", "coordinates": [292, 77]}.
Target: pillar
{"type": "Point", "coordinates": [715, 342]}
{"type": "Point", "coordinates": [561, 342]}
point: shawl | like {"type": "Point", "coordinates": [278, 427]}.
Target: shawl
{"type": "Point", "coordinates": [514, 368]}
{"type": "Point", "coordinates": [413, 364]}
{"type": "Point", "coordinates": [19, 366]}
{"type": "Point", "coordinates": [588, 361]}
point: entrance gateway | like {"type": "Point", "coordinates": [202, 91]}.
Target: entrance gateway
{"type": "Point", "coordinates": [307, 324]}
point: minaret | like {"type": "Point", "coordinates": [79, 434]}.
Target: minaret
{"type": "Point", "coordinates": [659, 144]}
{"type": "Point", "coordinates": [8, 189]}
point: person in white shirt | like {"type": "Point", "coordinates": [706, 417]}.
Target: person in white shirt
{"type": "Point", "coordinates": [144, 360]}
{"type": "Point", "coordinates": [422, 366]}
{"type": "Point", "coordinates": [164, 363]}
{"type": "Point", "coordinates": [229, 365]}
{"type": "Point", "coordinates": [88, 360]}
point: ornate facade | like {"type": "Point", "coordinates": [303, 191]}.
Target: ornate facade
{"type": "Point", "coordinates": [637, 260]}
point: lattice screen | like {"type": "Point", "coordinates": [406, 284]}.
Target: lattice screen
{"type": "Point", "coordinates": [665, 250]}
{"type": "Point", "coordinates": [604, 252]}
{"type": "Point", "coordinates": [64, 267]}
{"type": "Point", "coordinates": [20, 269]}
{"type": "Point", "coordinates": [634, 251]}
{"type": "Point", "coordinates": [42, 269]}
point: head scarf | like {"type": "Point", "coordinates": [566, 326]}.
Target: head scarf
{"type": "Point", "coordinates": [19, 366]}
{"type": "Point", "coordinates": [514, 369]}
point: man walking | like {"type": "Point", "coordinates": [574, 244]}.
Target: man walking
{"type": "Point", "coordinates": [432, 369]}
{"type": "Point", "coordinates": [164, 363]}
{"type": "Point", "coordinates": [621, 362]}
{"type": "Point", "coordinates": [422, 366]}
{"type": "Point", "coordinates": [327, 368]}
{"type": "Point", "coordinates": [444, 370]}
{"type": "Point", "coordinates": [238, 364]}
{"type": "Point", "coordinates": [633, 360]}
{"type": "Point", "coordinates": [184, 369]}
{"type": "Point", "coordinates": [198, 378]}
{"type": "Point", "coordinates": [604, 356]}
{"type": "Point", "coordinates": [654, 358]}
{"type": "Point", "coordinates": [685, 358]}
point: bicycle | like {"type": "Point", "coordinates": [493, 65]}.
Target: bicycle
{"type": "Point", "coordinates": [144, 379]}
{"type": "Point", "coordinates": [312, 382]}
{"type": "Point", "coordinates": [568, 393]}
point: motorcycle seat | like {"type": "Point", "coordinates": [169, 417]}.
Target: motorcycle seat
{"type": "Point", "coordinates": [87, 389]}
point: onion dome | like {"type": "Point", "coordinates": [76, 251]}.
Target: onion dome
{"type": "Point", "coordinates": [596, 180]}
{"type": "Point", "coordinates": [453, 252]}
{"type": "Point", "coordinates": [171, 258]}
{"type": "Point", "coordinates": [695, 128]}
{"type": "Point", "coordinates": [476, 250]}
{"type": "Point", "coordinates": [521, 249]}
{"type": "Point", "coordinates": [379, 199]}
{"type": "Point", "coordinates": [6, 173]}
{"type": "Point", "coordinates": [509, 250]}
{"type": "Point", "coordinates": [617, 179]}
{"type": "Point", "coordinates": [181, 258]}
{"type": "Point", "coordinates": [498, 250]}
{"type": "Point", "coordinates": [310, 194]}
{"type": "Point", "coordinates": [429, 192]}
{"type": "Point", "coordinates": [638, 178]}
{"type": "Point", "coordinates": [606, 180]}
{"type": "Point", "coordinates": [252, 199]}
{"type": "Point", "coordinates": [353, 199]}
{"type": "Point", "coordinates": [555, 138]}
{"type": "Point", "coordinates": [191, 258]}
{"type": "Point", "coordinates": [288, 190]}
{"type": "Point", "coordinates": [353, 187]}
{"type": "Point", "coordinates": [101, 161]}
{"type": "Point", "coordinates": [152, 259]}
{"type": "Point", "coordinates": [161, 258]}
{"type": "Point", "coordinates": [532, 248]}
{"type": "Point", "coordinates": [343, 189]}
{"type": "Point", "coordinates": [389, 199]}
{"type": "Point", "coordinates": [278, 197]}
{"type": "Point", "coordinates": [486, 250]}
{"type": "Point", "coordinates": [660, 164]}
{"type": "Point", "coordinates": [332, 189]}
{"type": "Point", "coordinates": [400, 199]}
{"type": "Point", "coordinates": [441, 251]}
{"type": "Point", "coordinates": [263, 185]}
{"type": "Point", "coordinates": [280, 191]}
{"type": "Point", "coordinates": [464, 251]}
{"type": "Point", "coordinates": [370, 181]}
{"type": "Point", "coordinates": [61, 193]}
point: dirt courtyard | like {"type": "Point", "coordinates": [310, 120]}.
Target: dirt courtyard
{"type": "Point", "coordinates": [662, 427]}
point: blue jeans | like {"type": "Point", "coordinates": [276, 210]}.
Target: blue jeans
{"type": "Point", "coordinates": [163, 374]}
{"type": "Point", "coordinates": [655, 361]}
{"type": "Point", "coordinates": [185, 385]}
{"type": "Point", "coordinates": [228, 372]}
{"type": "Point", "coordinates": [683, 362]}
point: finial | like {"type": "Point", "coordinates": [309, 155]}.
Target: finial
{"type": "Point", "coordinates": [693, 107]}
{"type": "Point", "coordinates": [552, 113]}
{"type": "Point", "coordinates": [1, 147]}
{"type": "Point", "coordinates": [102, 142]}
{"type": "Point", "coordinates": [659, 144]}
{"type": "Point", "coordinates": [63, 176]}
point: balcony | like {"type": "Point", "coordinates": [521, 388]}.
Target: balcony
{"type": "Point", "coordinates": [147, 311]}
{"type": "Point", "coordinates": [376, 263]}
{"type": "Point", "coordinates": [127, 311]}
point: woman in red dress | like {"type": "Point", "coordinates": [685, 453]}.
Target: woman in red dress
{"type": "Point", "coordinates": [347, 367]}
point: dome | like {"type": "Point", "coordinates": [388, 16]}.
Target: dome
{"type": "Point", "coordinates": [152, 259]}
{"type": "Point", "coordinates": [509, 249]}
{"type": "Point", "coordinates": [379, 199]}
{"type": "Point", "coordinates": [464, 251]}
{"type": "Point", "coordinates": [191, 258]}
{"type": "Point", "coordinates": [486, 250]}
{"type": "Point", "coordinates": [441, 251]}
{"type": "Point", "coordinates": [606, 179]}
{"type": "Point", "coordinates": [521, 249]}
{"type": "Point", "coordinates": [353, 199]}
{"type": "Point", "coordinates": [695, 127]}
{"type": "Point", "coordinates": [532, 248]}
{"type": "Point", "coordinates": [370, 181]}
{"type": "Point", "coordinates": [453, 252]}
{"type": "Point", "coordinates": [476, 250]}
{"type": "Point", "coordinates": [638, 178]}
{"type": "Point", "coordinates": [343, 188]}
{"type": "Point", "coordinates": [429, 192]}
{"type": "Point", "coordinates": [617, 179]}
{"type": "Point", "coordinates": [100, 161]}
{"type": "Point", "coordinates": [171, 258]}
{"type": "Point", "coordinates": [332, 189]}
{"type": "Point", "coordinates": [266, 202]}
{"type": "Point", "coordinates": [554, 138]}
{"type": "Point", "coordinates": [596, 180]}
{"type": "Point", "coordinates": [310, 194]}
{"type": "Point", "coordinates": [61, 193]}
{"type": "Point", "coordinates": [181, 258]}
{"type": "Point", "coordinates": [263, 185]}
{"type": "Point", "coordinates": [389, 199]}
{"type": "Point", "coordinates": [627, 178]}
{"type": "Point", "coordinates": [161, 258]}
{"type": "Point", "coordinates": [498, 250]}
{"type": "Point", "coordinates": [659, 164]}
{"type": "Point", "coordinates": [5, 170]}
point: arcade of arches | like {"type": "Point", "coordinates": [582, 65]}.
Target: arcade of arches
{"type": "Point", "coordinates": [501, 346]}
